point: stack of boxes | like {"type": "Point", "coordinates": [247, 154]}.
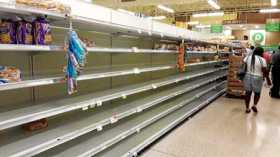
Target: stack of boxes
{"type": "Point", "coordinates": [235, 86]}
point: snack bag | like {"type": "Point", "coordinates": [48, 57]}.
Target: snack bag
{"type": "Point", "coordinates": [24, 32]}
{"type": "Point", "coordinates": [41, 32]}
{"type": "Point", "coordinates": [8, 32]}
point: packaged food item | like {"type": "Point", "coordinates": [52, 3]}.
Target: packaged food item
{"type": "Point", "coordinates": [76, 56]}
{"type": "Point", "coordinates": [51, 5]}
{"type": "Point", "coordinates": [181, 58]}
{"type": "Point", "coordinates": [8, 32]}
{"type": "Point", "coordinates": [36, 125]}
{"type": "Point", "coordinates": [87, 42]}
{"type": "Point", "coordinates": [9, 74]}
{"type": "Point", "coordinates": [41, 32]}
{"type": "Point", "coordinates": [24, 32]}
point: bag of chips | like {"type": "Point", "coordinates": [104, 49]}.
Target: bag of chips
{"type": "Point", "coordinates": [41, 32]}
{"type": "Point", "coordinates": [8, 32]}
{"type": "Point", "coordinates": [24, 32]}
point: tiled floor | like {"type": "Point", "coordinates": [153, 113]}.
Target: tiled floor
{"type": "Point", "coordinates": [224, 130]}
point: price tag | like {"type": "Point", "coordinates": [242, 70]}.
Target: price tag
{"type": "Point", "coordinates": [138, 130]}
{"type": "Point", "coordinates": [139, 31]}
{"type": "Point", "coordinates": [136, 71]}
{"type": "Point", "coordinates": [99, 103]}
{"type": "Point", "coordinates": [99, 128]}
{"type": "Point", "coordinates": [92, 105]}
{"type": "Point", "coordinates": [139, 109]}
{"type": "Point", "coordinates": [150, 33]}
{"type": "Point", "coordinates": [113, 120]}
{"type": "Point", "coordinates": [177, 81]}
{"type": "Point", "coordinates": [135, 49]}
{"type": "Point", "coordinates": [85, 108]}
{"type": "Point", "coordinates": [161, 34]}
{"type": "Point", "coordinates": [154, 86]}
{"type": "Point", "coordinates": [135, 154]}
{"type": "Point", "coordinates": [124, 96]}
{"type": "Point", "coordinates": [104, 147]}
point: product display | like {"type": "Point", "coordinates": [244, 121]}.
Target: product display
{"type": "Point", "coordinates": [41, 32]}
{"type": "Point", "coordinates": [76, 56]}
{"type": "Point", "coordinates": [50, 5]}
{"type": "Point", "coordinates": [9, 75]}
{"type": "Point", "coordinates": [8, 32]}
{"type": "Point", "coordinates": [235, 86]}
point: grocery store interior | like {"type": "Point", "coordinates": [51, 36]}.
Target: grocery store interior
{"type": "Point", "coordinates": [139, 78]}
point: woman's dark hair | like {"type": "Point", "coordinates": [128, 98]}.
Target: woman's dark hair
{"type": "Point", "coordinates": [257, 52]}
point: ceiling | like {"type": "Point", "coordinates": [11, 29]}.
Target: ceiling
{"type": "Point", "coordinates": [148, 7]}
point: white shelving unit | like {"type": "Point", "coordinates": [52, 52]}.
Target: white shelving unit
{"type": "Point", "coordinates": [106, 121]}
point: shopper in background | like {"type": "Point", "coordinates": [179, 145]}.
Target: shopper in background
{"type": "Point", "coordinates": [275, 62]}
{"type": "Point", "coordinates": [253, 81]}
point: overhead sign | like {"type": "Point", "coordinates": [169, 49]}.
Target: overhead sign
{"type": "Point", "coordinates": [217, 28]}
{"type": "Point", "coordinates": [257, 37]}
{"type": "Point", "coordinates": [272, 27]}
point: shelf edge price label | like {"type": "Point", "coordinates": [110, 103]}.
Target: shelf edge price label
{"type": "Point", "coordinates": [139, 109]}
{"type": "Point", "coordinates": [135, 49]}
{"type": "Point", "coordinates": [154, 86]}
{"type": "Point", "coordinates": [85, 108]}
{"type": "Point", "coordinates": [113, 120]}
{"type": "Point", "coordinates": [124, 96]}
{"type": "Point", "coordinates": [99, 128]}
{"type": "Point", "coordinates": [136, 71]}
{"type": "Point", "coordinates": [99, 103]}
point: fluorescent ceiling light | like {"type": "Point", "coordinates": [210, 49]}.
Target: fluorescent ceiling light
{"type": "Point", "coordinates": [203, 26]}
{"type": "Point", "coordinates": [274, 3]}
{"type": "Point", "coordinates": [126, 11]}
{"type": "Point", "coordinates": [162, 7]}
{"type": "Point", "coordinates": [273, 10]}
{"type": "Point", "coordinates": [157, 17]}
{"type": "Point", "coordinates": [193, 23]}
{"type": "Point", "coordinates": [214, 4]}
{"type": "Point", "coordinates": [208, 14]}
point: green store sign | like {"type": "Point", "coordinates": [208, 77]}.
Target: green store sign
{"type": "Point", "coordinates": [217, 28]}
{"type": "Point", "coordinates": [258, 37]}
{"type": "Point", "coordinates": [272, 27]}
{"type": "Point", "coordinates": [270, 47]}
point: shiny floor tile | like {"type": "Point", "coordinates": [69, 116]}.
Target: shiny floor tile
{"type": "Point", "coordinates": [224, 130]}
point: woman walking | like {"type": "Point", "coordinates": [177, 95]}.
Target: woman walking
{"type": "Point", "coordinates": [256, 71]}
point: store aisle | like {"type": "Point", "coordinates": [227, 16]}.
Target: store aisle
{"type": "Point", "coordinates": [224, 130]}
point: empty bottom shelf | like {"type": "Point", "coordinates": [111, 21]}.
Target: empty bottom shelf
{"type": "Point", "coordinates": [96, 142]}
{"type": "Point", "coordinates": [136, 143]}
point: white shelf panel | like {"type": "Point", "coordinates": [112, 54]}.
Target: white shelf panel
{"type": "Point", "coordinates": [79, 127]}
{"type": "Point", "coordinates": [94, 12]}
{"type": "Point", "coordinates": [131, 146]}
{"type": "Point", "coordinates": [28, 114]}
{"type": "Point", "coordinates": [93, 17]}
{"type": "Point", "coordinates": [123, 19]}
{"type": "Point", "coordinates": [97, 143]}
